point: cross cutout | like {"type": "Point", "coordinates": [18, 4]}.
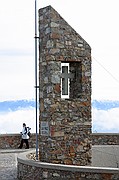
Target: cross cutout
{"type": "Point", "coordinates": [66, 76]}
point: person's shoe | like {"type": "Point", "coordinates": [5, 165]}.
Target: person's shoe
{"type": "Point", "coordinates": [27, 148]}
{"type": "Point", "coordinates": [19, 147]}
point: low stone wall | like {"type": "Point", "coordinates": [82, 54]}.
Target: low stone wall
{"type": "Point", "coordinates": [105, 138]}
{"type": "Point", "coordinates": [30, 169]}
{"type": "Point", "coordinates": [38, 170]}
{"type": "Point", "coordinates": [12, 141]}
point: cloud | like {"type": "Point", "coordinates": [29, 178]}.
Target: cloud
{"type": "Point", "coordinates": [11, 122]}
{"type": "Point", "coordinates": [17, 77]}
{"type": "Point", "coordinates": [17, 28]}
{"type": "Point", "coordinates": [102, 120]}
{"type": "Point", "coordinates": [17, 41]}
{"type": "Point", "coordinates": [17, 49]}
{"type": "Point", "coordinates": [16, 52]}
{"type": "Point", "coordinates": [105, 120]}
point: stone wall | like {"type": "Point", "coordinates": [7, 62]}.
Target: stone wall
{"type": "Point", "coordinates": [29, 169]}
{"type": "Point", "coordinates": [65, 124]}
{"type": "Point", "coordinates": [105, 138]}
{"type": "Point", "coordinates": [12, 141]}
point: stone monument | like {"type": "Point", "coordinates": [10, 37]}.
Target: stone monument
{"type": "Point", "coordinates": [65, 92]}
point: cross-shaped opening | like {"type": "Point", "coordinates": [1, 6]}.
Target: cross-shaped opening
{"type": "Point", "coordinates": [71, 80]}
{"type": "Point", "coordinates": [65, 80]}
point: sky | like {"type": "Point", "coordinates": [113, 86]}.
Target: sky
{"type": "Point", "coordinates": [95, 21]}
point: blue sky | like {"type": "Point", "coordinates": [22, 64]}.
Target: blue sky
{"type": "Point", "coordinates": [95, 21]}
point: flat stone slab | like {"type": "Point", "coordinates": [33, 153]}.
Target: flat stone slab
{"type": "Point", "coordinates": [105, 156]}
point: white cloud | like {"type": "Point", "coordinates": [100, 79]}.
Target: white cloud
{"type": "Point", "coordinates": [17, 78]}
{"type": "Point", "coordinates": [17, 50]}
{"type": "Point", "coordinates": [91, 19]}
{"type": "Point", "coordinates": [105, 120]}
{"type": "Point", "coordinates": [16, 20]}
{"type": "Point", "coordinates": [11, 122]}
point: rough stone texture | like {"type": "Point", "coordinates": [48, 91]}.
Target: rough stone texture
{"type": "Point", "coordinates": [29, 169]}
{"type": "Point", "coordinates": [12, 141]}
{"type": "Point", "coordinates": [68, 121]}
{"type": "Point", "coordinates": [29, 172]}
{"type": "Point", "coordinates": [105, 138]}
{"type": "Point", "coordinates": [8, 166]}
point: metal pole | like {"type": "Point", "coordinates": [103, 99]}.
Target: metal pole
{"type": "Point", "coordinates": [36, 77]}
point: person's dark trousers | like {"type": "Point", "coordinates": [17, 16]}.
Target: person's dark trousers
{"type": "Point", "coordinates": [26, 142]}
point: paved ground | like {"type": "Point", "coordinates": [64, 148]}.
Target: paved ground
{"type": "Point", "coordinates": [105, 156]}
{"type": "Point", "coordinates": [8, 164]}
{"type": "Point", "coordinates": [8, 167]}
{"type": "Point", "coordinates": [102, 156]}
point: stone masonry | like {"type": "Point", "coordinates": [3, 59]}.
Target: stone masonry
{"type": "Point", "coordinates": [65, 123]}
{"type": "Point", "coordinates": [11, 141]}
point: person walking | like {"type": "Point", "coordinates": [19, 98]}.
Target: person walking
{"type": "Point", "coordinates": [25, 137]}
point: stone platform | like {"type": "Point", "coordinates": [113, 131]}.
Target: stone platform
{"type": "Point", "coordinates": [103, 156]}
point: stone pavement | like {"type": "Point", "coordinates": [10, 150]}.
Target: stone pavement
{"type": "Point", "coordinates": [102, 156]}
{"type": "Point", "coordinates": [8, 163]}
{"type": "Point", "coordinates": [105, 156]}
